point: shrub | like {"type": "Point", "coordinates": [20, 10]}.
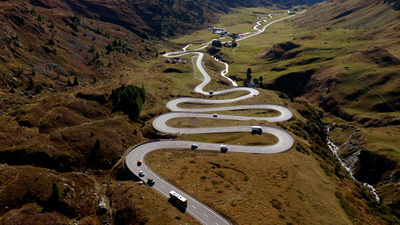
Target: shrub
{"type": "Point", "coordinates": [338, 195]}
{"type": "Point", "coordinates": [52, 41]}
{"type": "Point", "coordinates": [92, 48]}
{"type": "Point", "coordinates": [143, 220]}
{"type": "Point", "coordinates": [221, 174]}
{"type": "Point", "coordinates": [119, 46]}
{"type": "Point", "coordinates": [49, 49]}
{"type": "Point", "coordinates": [276, 204]}
{"type": "Point", "coordinates": [52, 24]}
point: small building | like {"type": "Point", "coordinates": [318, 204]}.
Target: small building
{"type": "Point", "coordinates": [246, 83]}
{"type": "Point", "coordinates": [176, 60]}
{"type": "Point", "coordinates": [219, 31]}
{"type": "Point", "coordinates": [256, 82]}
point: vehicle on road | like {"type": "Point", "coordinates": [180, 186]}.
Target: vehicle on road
{"type": "Point", "coordinates": [178, 198]}
{"type": "Point", "coordinates": [256, 130]}
{"type": "Point", "coordinates": [215, 115]}
{"type": "Point", "coordinates": [139, 162]}
{"type": "Point", "coordinates": [141, 173]}
{"type": "Point", "coordinates": [150, 182]}
{"type": "Point", "coordinates": [224, 148]}
{"type": "Point", "coordinates": [211, 92]}
{"type": "Point", "coordinates": [194, 146]}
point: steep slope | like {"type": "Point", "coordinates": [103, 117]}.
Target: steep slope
{"type": "Point", "coordinates": [348, 66]}
{"type": "Point", "coordinates": [372, 32]}
{"type": "Point", "coordinates": [149, 19]}
{"type": "Point", "coordinates": [350, 14]}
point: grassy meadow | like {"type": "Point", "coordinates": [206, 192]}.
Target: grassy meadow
{"type": "Point", "coordinates": [284, 188]}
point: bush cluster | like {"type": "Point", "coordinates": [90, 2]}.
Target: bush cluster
{"type": "Point", "coordinates": [128, 99]}
{"type": "Point", "coordinates": [120, 46]}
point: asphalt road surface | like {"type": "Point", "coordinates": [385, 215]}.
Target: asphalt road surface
{"type": "Point", "coordinates": [201, 212]}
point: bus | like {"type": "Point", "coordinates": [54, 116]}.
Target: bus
{"type": "Point", "coordinates": [178, 198]}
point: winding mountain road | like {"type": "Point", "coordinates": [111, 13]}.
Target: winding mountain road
{"type": "Point", "coordinates": [198, 210]}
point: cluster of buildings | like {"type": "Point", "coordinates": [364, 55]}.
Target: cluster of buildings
{"type": "Point", "coordinates": [247, 83]}
{"type": "Point", "coordinates": [176, 60]}
{"type": "Point", "coordinates": [219, 31]}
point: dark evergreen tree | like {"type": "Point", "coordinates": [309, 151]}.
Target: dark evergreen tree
{"type": "Point", "coordinates": [55, 195]}
{"type": "Point", "coordinates": [92, 48]}
{"type": "Point", "coordinates": [248, 73]}
{"type": "Point", "coordinates": [216, 43]}
{"type": "Point", "coordinates": [234, 44]}
{"type": "Point", "coordinates": [76, 82]}
{"type": "Point", "coordinates": [129, 99]}
{"type": "Point", "coordinates": [234, 36]}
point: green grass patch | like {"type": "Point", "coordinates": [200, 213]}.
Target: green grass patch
{"type": "Point", "coordinates": [383, 140]}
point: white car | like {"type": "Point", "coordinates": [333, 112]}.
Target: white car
{"type": "Point", "coordinates": [141, 173]}
{"type": "Point", "coordinates": [215, 115]}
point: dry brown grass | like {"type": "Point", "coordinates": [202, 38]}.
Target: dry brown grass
{"type": "Point", "coordinates": [25, 197]}
{"type": "Point", "coordinates": [136, 203]}
{"type": "Point", "coordinates": [273, 189]}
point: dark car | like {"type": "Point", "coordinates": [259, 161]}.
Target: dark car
{"type": "Point", "coordinates": [150, 181]}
